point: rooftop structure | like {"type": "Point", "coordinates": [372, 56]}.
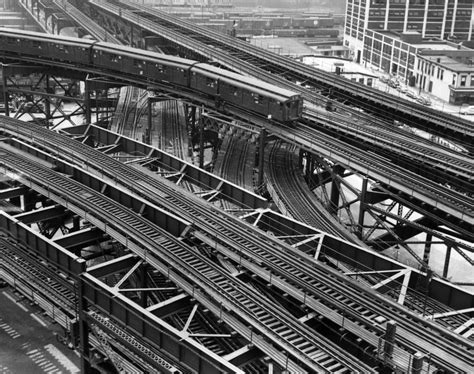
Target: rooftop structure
{"type": "Point", "coordinates": [443, 19]}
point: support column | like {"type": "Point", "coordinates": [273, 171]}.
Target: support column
{"type": "Point", "coordinates": [389, 338]}
{"type": "Point", "coordinates": [417, 363]}
{"type": "Point", "coordinates": [300, 158]}
{"type": "Point", "coordinates": [261, 156]}
{"type": "Point", "coordinates": [201, 140]}
{"type": "Point", "coordinates": [335, 189]}
{"type": "Point", "coordinates": [76, 223]}
{"type": "Point", "coordinates": [427, 251]}
{"type": "Point", "coordinates": [147, 139]}
{"type": "Point", "coordinates": [191, 122]}
{"type": "Point", "coordinates": [83, 331]}
{"type": "Point", "coordinates": [143, 279]}
{"type": "Point", "coordinates": [308, 170]}
{"type": "Point", "coordinates": [47, 107]}
{"type": "Point", "coordinates": [426, 288]}
{"type": "Point", "coordinates": [447, 259]}
{"type": "Point", "coordinates": [360, 222]}
{"type": "Point", "coordinates": [5, 93]}
{"type": "Point", "coordinates": [87, 101]}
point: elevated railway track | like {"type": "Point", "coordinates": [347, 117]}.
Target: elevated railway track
{"type": "Point", "coordinates": [443, 206]}
{"type": "Point", "coordinates": [438, 175]}
{"type": "Point", "coordinates": [421, 156]}
{"type": "Point", "coordinates": [158, 247]}
{"type": "Point", "coordinates": [415, 186]}
{"type": "Point", "coordinates": [281, 269]}
{"type": "Point", "coordinates": [272, 267]}
{"type": "Point", "coordinates": [365, 132]}
{"type": "Point", "coordinates": [307, 138]}
{"type": "Point", "coordinates": [213, 44]}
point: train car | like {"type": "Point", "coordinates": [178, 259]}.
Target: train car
{"type": "Point", "coordinates": [281, 22]}
{"type": "Point", "coordinates": [247, 93]}
{"type": "Point", "coordinates": [224, 87]}
{"type": "Point", "coordinates": [154, 66]}
{"type": "Point", "coordinates": [34, 44]}
{"type": "Point", "coordinates": [325, 22]}
{"type": "Point", "coordinates": [289, 33]}
{"type": "Point", "coordinates": [303, 23]}
{"type": "Point", "coordinates": [329, 33]}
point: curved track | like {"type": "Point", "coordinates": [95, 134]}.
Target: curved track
{"type": "Point", "coordinates": [300, 203]}
{"type": "Point", "coordinates": [296, 71]}
{"type": "Point", "coordinates": [311, 349]}
{"type": "Point", "coordinates": [319, 288]}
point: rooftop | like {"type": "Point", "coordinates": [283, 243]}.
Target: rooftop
{"type": "Point", "coordinates": [450, 63]}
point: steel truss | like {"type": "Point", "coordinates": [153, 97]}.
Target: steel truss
{"type": "Point", "coordinates": [384, 220]}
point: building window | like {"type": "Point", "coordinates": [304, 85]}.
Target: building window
{"type": "Point", "coordinates": [441, 75]}
{"type": "Point", "coordinates": [454, 79]}
{"type": "Point", "coordinates": [463, 80]}
{"type": "Point", "coordinates": [472, 80]}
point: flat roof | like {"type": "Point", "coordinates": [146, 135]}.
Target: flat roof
{"type": "Point", "coordinates": [435, 46]}
{"type": "Point", "coordinates": [330, 63]}
{"type": "Point", "coordinates": [449, 63]}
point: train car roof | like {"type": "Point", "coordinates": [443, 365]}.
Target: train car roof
{"type": "Point", "coordinates": [45, 37]}
{"type": "Point", "coordinates": [137, 53]}
{"type": "Point", "coordinates": [258, 85]}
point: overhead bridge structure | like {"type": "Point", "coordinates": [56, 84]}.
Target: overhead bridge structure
{"type": "Point", "coordinates": [182, 260]}
{"type": "Point", "coordinates": [367, 146]}
{"type": "Point", "coordinates": [132, 21]}
{"type": "Point", "coordinates": [144, 267]}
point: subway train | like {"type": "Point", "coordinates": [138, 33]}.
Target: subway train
{"type": "Point", "coordinates": [226, 89]}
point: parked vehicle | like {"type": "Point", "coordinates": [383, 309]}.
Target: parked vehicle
{"type": "Point", "coordinates": [466, 109]}
{"type": "Point", "coordinates": [402, 88]}
{"type": "Point", "coordinates": [411, 94]}
{"type": "Point", "coordinates": [424, 100]}
{"type": "Point", "coordinates": [393, 83]}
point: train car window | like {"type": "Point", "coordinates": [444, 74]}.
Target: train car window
{"type": "Point", "coordinates": [160, 68]}
{"type": "Point", "coordinates": [138, 63]}
{"type": "Point", "coordinates": [210, 82]}
{"type": "Point", "coordinates": [258, 99]}
{"type": "Point", "coordinates": [36, 44]}
{"type": "Point", "coordinates": [114, 58]}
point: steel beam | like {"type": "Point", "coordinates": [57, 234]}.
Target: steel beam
{"type": "Point", "coordinates": [13, 192]}
{"type": "Point", "coordinates": [114, 266]}
{"type": "Point", "coordinates": [152, 329]}
{"type": "Point", "coordinates": [43, 247]}
{"type": "Point", "coordinates": [42, 214]}
{"type": "Point", "coordinates": [170, 306]}
{"type": "Point", "coordinates": [195, 175]}
{"type": "Point", "coordinates": [80, 239]}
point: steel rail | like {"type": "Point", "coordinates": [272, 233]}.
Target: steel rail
{"type": "Point", "coordinates": [237, 295]}
{"type": "Point", "coordinates": [223, 57]}
{"type": "Point", "coordinates": [207, 36]}
{"type": "Point", "coordinates": [427, 153]}
{"type": "Point", "coordinates": [310, 144]}
{"type": "Point", "coordinates": [304, 280]}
